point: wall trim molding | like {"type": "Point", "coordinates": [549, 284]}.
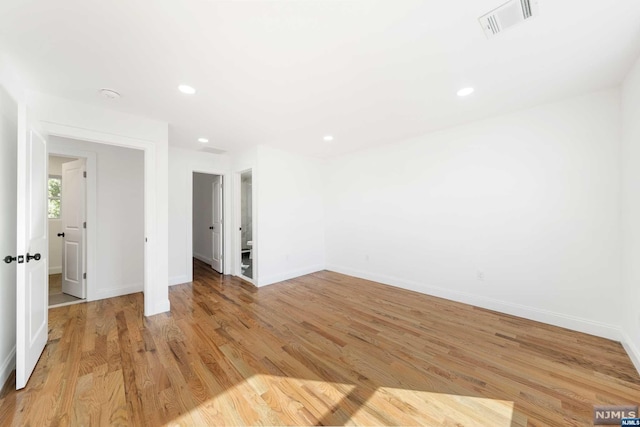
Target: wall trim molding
{"type": "Point", "coordinates": [539, 315]}
{"type": "Point", "coordinates": [202, 258]}
{"type": "Point", "coordinates": [162, 307]}
{"type": "Point", "coordinates": [55, 270]}
{"type": "Point", "coordinates": [632, 350]}
{"type": "Point", "coordinates": [118, 292]}
{"type": "Point", "coordinates": [269, 280]}
{"type": "Point", "coordinates": [8, 365]}
{"type": "Point", "coordinates": [178, 280]}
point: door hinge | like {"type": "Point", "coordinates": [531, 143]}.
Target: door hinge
{"type": "Point", "coordinates": [84, 224]}
{"type": "Point", "coordinates": [84, 275]}
{"type": "Point", "coordinates": [84, 174]}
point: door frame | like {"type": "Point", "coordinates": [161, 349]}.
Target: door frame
{"type": "Point", "coordinates": [90, 250]}
{"type": "Point", "coordinates": [226, 213]}
{"type": "Point", "coordinates": [151, 216]}
{"type": "Point", "coordinates": [237, 223]}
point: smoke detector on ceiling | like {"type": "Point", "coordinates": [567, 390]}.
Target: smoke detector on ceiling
{"type": "Point", "coordinates": [508, 15]}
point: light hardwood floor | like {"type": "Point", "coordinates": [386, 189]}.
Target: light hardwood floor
{"type": "Point", "coordinates": [56, 296]}
{"type": "Point", "coordinates": [321, 349]}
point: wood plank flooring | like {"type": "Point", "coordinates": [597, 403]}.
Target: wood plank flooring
{"type": "Point", "coordinates": [56, 296]}
{"type": "Point", "coordinates": [323, 349]}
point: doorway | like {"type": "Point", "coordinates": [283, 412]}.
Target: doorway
{"type": "Point", "coordinates": [207, 219]}
{"type": "Point", "coordinates": [31, 229]}
{"type": "Point", "coordinates": [66, 213]}
{"type": "Point", "coordinates": [247, 258]}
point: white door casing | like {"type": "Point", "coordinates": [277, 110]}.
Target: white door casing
{"type": "Point", "coordinates": [217, 230]}
{"type": "Point", "coordinates": [73, 215]}
{"type": "Point", "coordinates": [31, 226]}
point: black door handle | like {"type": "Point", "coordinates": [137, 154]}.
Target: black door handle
{"type": "Point", "coordinates": [9, 259]}
{"type": "Point", "coordinates": [60, 234]}
{"type": "Point", "coordinates": [211, 228]}
{"type": "Point", "coordinates": [30, 257]}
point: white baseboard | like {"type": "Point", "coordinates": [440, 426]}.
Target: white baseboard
{"type": "Point", "coordinates": [8, 365]}
{"type": "Point", "coordinates": [203, 258]}
{"type": "Point", "coordinates": [55, 270]}
{"type": "Point", "coordinates": [158, 307]}
{"type": "Point", "coordinates": [275, 278]}
{"type": "Point", "coordinates": [632, 350]}
{"type": "Point", "coordinates": [540, 315]}
{"type": "Point", "coordinates": [178, 280]}
{"type": "Point", "coordinates": [117, 292]}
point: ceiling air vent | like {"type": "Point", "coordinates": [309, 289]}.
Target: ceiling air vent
{"type": "Point", "coordinates": [509, 14]}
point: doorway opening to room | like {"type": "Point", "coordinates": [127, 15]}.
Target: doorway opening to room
{"type": "Point", "coordinates": [97, 243]}
{"type": "Point", "coordinates": [246, 229]}
{"type": "Point", "coordinates": [128, 194]}
{"type": "Point", "coordinates": [67, 213]}
{"type": "Point", "coordinates": [208, 219]}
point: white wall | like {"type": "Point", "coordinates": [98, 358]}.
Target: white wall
{"type": "Point", "coordinates": [630, 298]}
{"type": "Point", "coordinates": [182, 164]}
{"type": "Point", "coordinates": [518, 213]}
{"type": "Point", "coordinates": [64, 118]}
{"type": "Point", "coordinates": [8, 195]}
{"type": "Point", "coordinates": [202, 216]}
{"type": "Point", "coordinates": [290, 207]}
{"type": "Point", "coordinates": [120, 217]}
{"type": "Point", "coordinates": [55, 224]}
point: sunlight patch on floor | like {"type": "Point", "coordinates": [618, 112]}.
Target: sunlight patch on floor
{"type": "Point", "coordinates": [268, 400]}
{"type": "Point", "coordinates": [274, 400]}
{"type": "Point", "coordinates": [428, 408]}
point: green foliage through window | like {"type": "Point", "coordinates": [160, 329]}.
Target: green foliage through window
{"type": "Point", "coordinates": [55, 189]}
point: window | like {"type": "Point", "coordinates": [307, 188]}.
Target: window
{"type": "Point", "coordinates": [55, 188]}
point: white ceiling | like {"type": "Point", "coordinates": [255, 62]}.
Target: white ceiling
{"type": "Point", "coordinates": [288, 72]}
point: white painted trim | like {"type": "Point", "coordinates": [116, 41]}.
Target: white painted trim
{"type": "Point", "coordinates": [632, 350]}
{"type": "Point", "coordinates": [161, 307]}
{"type": "Point", "coordinates": [226, 223]}
{"type": "Point", "coordinates": [55, 270]}
{"type": "Point", "coordinates": [118, 292]}
{"type": "Point", "coordinates": [203, 258]}
{"type": "Point", "coordinates": [64, 304]}
{"type": "Point", "coordinates": [91, 201]}
{"type": "Point", "coordinates": [289, 275]}
{"type": "Point", "coordinates": [8, 365]}
{"type": "Point", "coordinates": [179, 280]}
{"type": "Point", "coordinates": [155, 281]}
{"type": "Point", "coordinates": [540, 315]}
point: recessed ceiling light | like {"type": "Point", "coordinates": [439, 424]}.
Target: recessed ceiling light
{"type": "Point", "coordinates": [465, 91]}
{"type": "Point", "coordinates": [328, 138]}
{"type": "Point", "coordinates": [109, 94]}
{"type": "Point", "coordinates": [203, 140]}
{"type": "Point", "coordinates": [186, 89]}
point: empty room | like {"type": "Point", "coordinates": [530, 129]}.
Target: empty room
{"type": "Point", "coordinates": [349, 212]}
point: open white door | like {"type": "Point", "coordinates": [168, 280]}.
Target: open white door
{"type": "Point", "coordinates": [31, 226]}
{"type": "Point", "coordinates": [216, 229]}
{"type": "Point", "coordinates": [73, 214]}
